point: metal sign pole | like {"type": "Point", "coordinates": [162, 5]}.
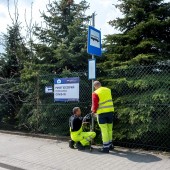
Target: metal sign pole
{"type": "Point", "coordinates": [93, 24]}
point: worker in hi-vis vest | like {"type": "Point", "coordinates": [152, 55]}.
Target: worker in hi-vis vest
{"type": "Point", "coordinates": [79, 138]}
{"type": "Point", "coordinates": [102, 105]}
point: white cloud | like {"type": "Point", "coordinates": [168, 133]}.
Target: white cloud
{"type": "Point", "coordinates": [105, 12]}
{"type": "Point", "coordinates": [22, 7]}
{"type": "Point", "coordinates": [3, 18]}
{"type": "Point", "coordinates": [3, 2]}
{"type": "Point", "coordinates": [105, 3]}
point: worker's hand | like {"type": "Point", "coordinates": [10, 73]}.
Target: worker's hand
{"type": "Point", "coordinates": [93, 114]}
{"type": "Point", "coordinates": [84, 123]}
{"type": "Point", "coordinates": [87, 118]}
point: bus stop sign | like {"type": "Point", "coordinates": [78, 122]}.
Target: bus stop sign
{"type": "Point", "coordinates": [94, 41]}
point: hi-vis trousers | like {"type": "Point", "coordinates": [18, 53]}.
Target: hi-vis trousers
{"type": "Point", "coordinates": [83, 137]}
{"type": "Point", "coordinates": [105, 121]}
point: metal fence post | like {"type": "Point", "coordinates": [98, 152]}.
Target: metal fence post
{"type": "Point", "coordinates": [37, 100]}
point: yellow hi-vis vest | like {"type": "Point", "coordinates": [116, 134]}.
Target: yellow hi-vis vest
{"type": "Point", "coordinates": [105, 100]}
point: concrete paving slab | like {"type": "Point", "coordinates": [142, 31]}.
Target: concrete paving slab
{"type": "Point", "coordinates": [30, 153]}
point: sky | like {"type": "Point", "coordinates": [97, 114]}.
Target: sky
{"type": "Point", "coordinates": [104, 10]}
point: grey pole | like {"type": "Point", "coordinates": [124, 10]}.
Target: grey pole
{"type": "Point", "coordinates": [93, 24]}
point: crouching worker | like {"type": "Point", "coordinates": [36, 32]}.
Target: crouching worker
{"type": "Point", "coordinates": [80, 139]}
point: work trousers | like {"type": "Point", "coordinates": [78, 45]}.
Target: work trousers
{"type": "Point", "coordinates": [105, 121]}
{"type": "Point", "coordinates": [83, 137]}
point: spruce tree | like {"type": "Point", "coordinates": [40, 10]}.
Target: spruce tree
{"type": "Point", "coordinates": [11, 66]}
{"type": "Point", "coordinates": [61, 48]}
{"type": "Point", "coordinates": [145, 34]}
{"type": "Point", "coordinates": [15, 52]}
{"type": "Point", "coordinates": [136, 69]}
{"type": "Point", "coordinates": [63, 40]}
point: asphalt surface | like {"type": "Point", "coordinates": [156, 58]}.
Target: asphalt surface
{"type": "Point", "coordinates": [31, 153]}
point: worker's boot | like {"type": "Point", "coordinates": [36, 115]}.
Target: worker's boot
{"type": "Point", "coordinates": [80, 146]}
{"type": "Point", "coordinates": [104, 150]}
{"type": "Point", "coordinates": [88, 147]}
{"type": "Point", "coordinates": [111, 147]}
{"type": "Point", "coordinates": [71, 144]}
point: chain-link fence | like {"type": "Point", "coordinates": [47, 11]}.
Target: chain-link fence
{"type": "Point", "coordinates": [53, 116]}
{"type": "Point", "coordinates": [141, 98]}
{"type": "Point", "coordinates": [9, 102]}
{"type": "Point", "coordinates": [142, 105]}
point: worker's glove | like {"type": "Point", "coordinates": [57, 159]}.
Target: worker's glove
{"type": "Point", "coordinates": [87, 118]}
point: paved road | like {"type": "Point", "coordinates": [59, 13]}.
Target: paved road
{"type": "Point", "coordinates": [20, 153]}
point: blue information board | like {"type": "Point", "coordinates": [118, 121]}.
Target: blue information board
{"type": "Point", "coordinates": [66, 89]}
{"type": "Point", "coordinates": [94, 41]}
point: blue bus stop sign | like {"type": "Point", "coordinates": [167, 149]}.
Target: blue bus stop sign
{"type": "Point", "coordinates": [94, 41]}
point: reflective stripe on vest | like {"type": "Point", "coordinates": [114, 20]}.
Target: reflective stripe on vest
{"type": "Point", "coordinates": [104, 102]}
{"type": "Point", "coordinates": [104, 107]}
